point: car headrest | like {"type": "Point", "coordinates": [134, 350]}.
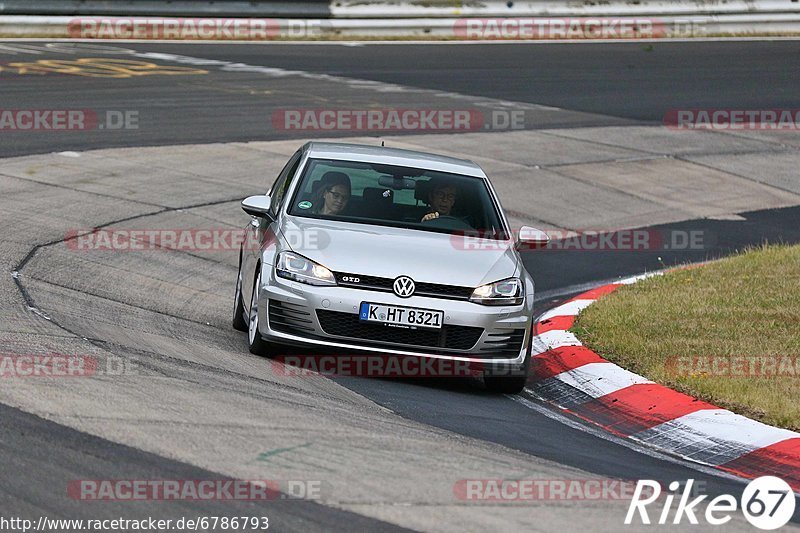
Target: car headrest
{"type": "Point", "coordinates": [422, 190]}
{"type": "Point", "coordinates": [332, 176]}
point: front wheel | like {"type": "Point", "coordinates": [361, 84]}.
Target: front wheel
{"type": "Point", "coordinates": [505, 384]}
{"type": "Point", "coordinates": [239, 323]}
{"type": "Point", "coordinates": [508, 380]}
{"type": "Point", "coordinates": [256, 344]}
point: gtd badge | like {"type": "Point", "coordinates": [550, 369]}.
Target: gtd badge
{"type": "Point", "coordinates": [403, 286]}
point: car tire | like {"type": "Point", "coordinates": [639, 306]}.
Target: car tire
{"type": "Point", "coordinates": [505, 384]}
{"type": "Point", "coordinates": [256, 344]}
{"type": "Point", "coordinates": [239, 323]}
{"type": "Point", "coordinates": [513, 384]}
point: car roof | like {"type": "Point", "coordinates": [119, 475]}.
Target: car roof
{"type": "Point", "coordinates": [393, 156]}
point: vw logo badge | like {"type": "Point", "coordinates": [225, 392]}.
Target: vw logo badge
{"type": "Point", "coordinates": [403, 286]}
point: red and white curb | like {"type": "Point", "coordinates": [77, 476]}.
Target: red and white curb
{"type": "Point", "coordinates": [569, 375]}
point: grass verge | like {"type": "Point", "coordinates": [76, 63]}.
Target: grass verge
{"type": "Point", "coordinates": [727, 332]}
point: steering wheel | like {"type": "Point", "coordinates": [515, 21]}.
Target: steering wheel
{"type": "Point", "coordinates": [448, 222]}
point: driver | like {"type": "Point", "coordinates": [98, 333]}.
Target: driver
{"type": "Point", "coordinates": [441, 198]}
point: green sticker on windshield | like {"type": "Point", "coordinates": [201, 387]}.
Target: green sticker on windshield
{"type": "Point", "coordinates": [305, 205]}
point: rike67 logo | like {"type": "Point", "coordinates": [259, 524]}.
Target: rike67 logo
{"type": "Point", "coordinates": [767, 503]}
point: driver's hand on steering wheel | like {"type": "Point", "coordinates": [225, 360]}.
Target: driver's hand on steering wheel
{"type": "Point", "coordinates": [430, 216]}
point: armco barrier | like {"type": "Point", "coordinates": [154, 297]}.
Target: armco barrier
{"type": "Point", "coordinates": [555, 8]}
{"type": "Point", "coordinates": [383, 9]}
{"type": "Point", "coordinates": [467, 28]}
{"type": "Point", "coordinates": [175, 8]}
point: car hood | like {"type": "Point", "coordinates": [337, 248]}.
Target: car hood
{"type": "Point", "coordinates": [390, 252]}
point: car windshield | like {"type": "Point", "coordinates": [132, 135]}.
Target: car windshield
{"type": "Point", "coordinates": [388, 195]}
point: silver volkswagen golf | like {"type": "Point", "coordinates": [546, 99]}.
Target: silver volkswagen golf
{"type": "Point", "coordinates": [367, 249]}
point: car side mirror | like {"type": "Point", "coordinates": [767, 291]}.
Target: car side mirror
{"type": "Point", "coordinates": [257, 206]}
{"type": "Point", "coordinates": [531, 238]}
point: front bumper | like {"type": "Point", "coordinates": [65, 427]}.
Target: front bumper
{"type": "Point", "coordinates": [508, 327]}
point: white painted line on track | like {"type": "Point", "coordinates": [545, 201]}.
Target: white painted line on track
{"type": "Point", "coordinates": [378, 86]}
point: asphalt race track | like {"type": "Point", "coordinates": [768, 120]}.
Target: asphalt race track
{"type": "Point", "coordinates": [600, 83]}
{"type": "Point", "coordinates": [387, 451]}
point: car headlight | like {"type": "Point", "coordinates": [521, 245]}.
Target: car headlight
{"type": "Point", "coordinates": [505, 292]}
{"type": "Point", "coordinates": [296, 267]}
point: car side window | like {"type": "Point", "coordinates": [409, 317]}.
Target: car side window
{"type": "Point", "coordinates": [279, 188]}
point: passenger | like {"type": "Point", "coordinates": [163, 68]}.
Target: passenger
{"type": "Point", "coordinates": [333, 194]}
{"type": "Point", "coordinates": [441, 197]}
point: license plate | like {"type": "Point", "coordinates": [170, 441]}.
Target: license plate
{"type": "Point", "coordinates": [405, 317]}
